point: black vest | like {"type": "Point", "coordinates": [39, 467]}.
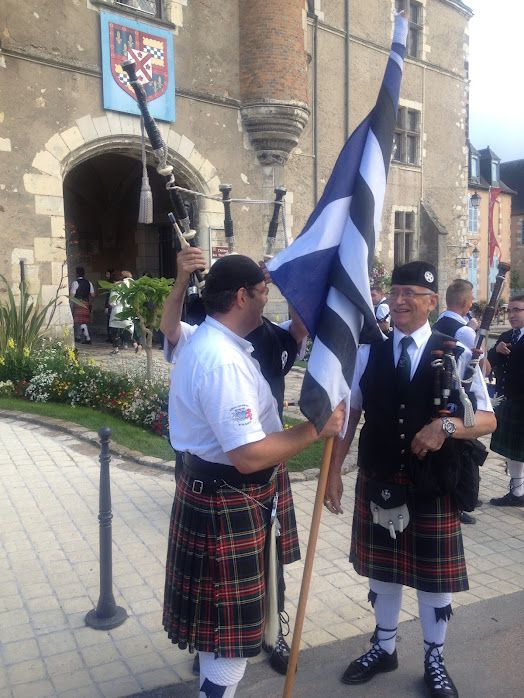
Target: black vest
{"type": "Point", "coordinates": [390, 425]}
{"type": "Point", "coordinates": [275, 350]}
{"type": "Point", "coordinates": [447, 325]}
{"type": "Point", "coordinates": [84, 289]}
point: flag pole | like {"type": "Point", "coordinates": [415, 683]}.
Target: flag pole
{"type": "Point", "coordinates": [308, 568]}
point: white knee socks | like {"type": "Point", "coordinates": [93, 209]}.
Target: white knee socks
{"type": "Point", "coordinates": [516, 473]}
{"type": "Point", "coordinates": [433, 606]}
{"type": "Point", "coordinates": [387, 609]}
{"type": "Point", "coordinates": [83, 328]}
{"type": "Point", "coordinates": [219, 676]}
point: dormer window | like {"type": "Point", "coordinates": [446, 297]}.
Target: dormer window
{"type": "Point", "coordinates": [494, 172]}
{"type": "Point", "coordinates": [475, 167]}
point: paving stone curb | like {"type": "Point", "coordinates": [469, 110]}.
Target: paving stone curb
{"type": "Point", "coordinates": [92, 437]}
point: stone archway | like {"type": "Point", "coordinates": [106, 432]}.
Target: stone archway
{"type": "Point", "coordinates": [91, 136]}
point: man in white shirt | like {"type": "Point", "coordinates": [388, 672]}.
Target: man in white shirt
{"type": "Point", "coordinates": [455, 323]}
{"type": "Point", "coordinates": [380, 304]}
{"type": "Point", "coordinates": [224, 419]}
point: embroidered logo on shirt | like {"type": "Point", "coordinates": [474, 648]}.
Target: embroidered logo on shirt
{"type": "Point", "coordinates": [284, 358]}
{"type": "Point", "coordinates": [241, 414]}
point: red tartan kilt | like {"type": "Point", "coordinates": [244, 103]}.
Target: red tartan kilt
{"type": "Point", "coordinates": [428, 555]}
{"type": "Point", "coordinates": [215, 586]}
{"type": "Point", "coordinates": [81, 314]}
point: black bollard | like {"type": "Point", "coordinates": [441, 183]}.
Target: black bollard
{"type": "Point", "coordinates": [107, 614]}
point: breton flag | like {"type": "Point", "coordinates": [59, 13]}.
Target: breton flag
{"type": "Point", "coordinates": [324, 273]}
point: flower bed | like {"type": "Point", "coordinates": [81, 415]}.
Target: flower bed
{"type": "Point", "coordinates": [53, 373]}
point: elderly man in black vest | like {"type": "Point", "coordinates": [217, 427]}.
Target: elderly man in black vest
{"type": "Point", "coordinates": [418, 541]}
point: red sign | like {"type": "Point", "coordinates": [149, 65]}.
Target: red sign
{"type": "Point", "coordinates": [217, 252]}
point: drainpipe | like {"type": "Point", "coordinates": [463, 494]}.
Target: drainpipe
{"type": "Point", "coordinates": [315, 110]}
{"type": "Point", "coordinates": [346, 68]}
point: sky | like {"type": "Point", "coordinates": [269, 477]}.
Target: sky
{"type": "Point", "coordinates": [496, 74]}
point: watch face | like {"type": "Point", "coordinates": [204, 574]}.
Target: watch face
{"type": "Point", "coordinates": [448, 426]}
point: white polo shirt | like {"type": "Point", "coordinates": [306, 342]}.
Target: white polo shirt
{"type": "Point", "coordinates": [415, 351]}
{"type": "Point", "coordinates": [218, 398]}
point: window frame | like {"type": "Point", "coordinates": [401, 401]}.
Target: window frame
{"type": "Point", "coordinates": [415, 28]}
{"type": "Point", "coordinates": [404, 236]}
{"type": "Point", "coordinates": [405, 136]}
{"type": "Point", "coordinates": [158, 14]}
{"type": "Point", "coordinates": [473, 219]}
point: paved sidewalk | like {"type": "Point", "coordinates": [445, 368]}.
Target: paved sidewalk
{"type": "Point", "coordinates": [49, 569]}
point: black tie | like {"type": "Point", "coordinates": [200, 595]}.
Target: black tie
{"type": "Point", "coordinates": [515, 336]}
{"type": "Point", "coordinates": [404, 364]}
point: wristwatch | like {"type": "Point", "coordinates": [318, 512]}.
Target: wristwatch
{"type": "Point", "coordinates": [448, 427]}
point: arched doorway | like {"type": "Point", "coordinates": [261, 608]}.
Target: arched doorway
{"type": "Point", "coordinates": [101, 203]}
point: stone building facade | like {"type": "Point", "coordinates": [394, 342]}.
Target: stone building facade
{"type": "Point", "coordinates": [513, 174]}
{"type": "Point", "coordinates": [486, 182]}
{"type": "Point", "coordinates": [266, 94]}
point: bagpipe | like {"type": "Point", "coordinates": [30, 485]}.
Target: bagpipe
{"type": "Point", "coordinates": [179, 218]}
{"type": "Point", "coordinates": [444, 362]}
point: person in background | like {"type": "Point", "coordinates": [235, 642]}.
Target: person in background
{"type": "Point", "coordinates": [108, 276]}
{"type": "Point", "coordinates": [381, 306]}
{"type": "Point", "coordinates": [121, 328]}
{"type": "Point", "coordinates": [507, 362]}
{"type": "Point", "coordinates": [456, 323]}
{"type": "Point", "coordinates": [82, 291]}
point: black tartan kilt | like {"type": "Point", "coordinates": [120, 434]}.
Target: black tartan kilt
{"type": "Point", "coordinates": [428, 555]}
{"type": "Point", "coordinates": [508, 438]}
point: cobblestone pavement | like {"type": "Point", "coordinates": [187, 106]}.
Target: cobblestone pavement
{"type": "Point", "coordinates": [49, 574]}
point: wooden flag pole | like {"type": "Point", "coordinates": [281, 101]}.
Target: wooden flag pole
{"type": "Point", "coordinates": [308, 569]}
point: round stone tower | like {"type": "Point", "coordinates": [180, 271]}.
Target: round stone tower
{"type": "Point", "coordinates": [273, 80]}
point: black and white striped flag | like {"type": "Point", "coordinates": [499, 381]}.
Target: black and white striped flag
{"type": "Point", "coordinates": [324, 273]}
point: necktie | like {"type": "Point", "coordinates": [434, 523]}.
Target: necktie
{"type": "Point", "coordinates": [404, 364]}
{"type": "Point", "coordinates": [515, 336]}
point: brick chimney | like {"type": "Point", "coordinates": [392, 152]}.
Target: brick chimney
{"type": "Point", "coordinates": [273, 80]}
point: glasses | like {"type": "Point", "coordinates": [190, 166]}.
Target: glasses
{"type": "Point", "coordinates": [407, 293]}
{"type": "Point", "coordinates": [515, 310]}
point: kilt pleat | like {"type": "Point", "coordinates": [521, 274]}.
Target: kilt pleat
{"type": "Point", "coordinates": [428, 555]}
{"type": "Point", "coordinates": [508, 438]}
{"type": "Point", "coordinates": [214, 598]}
{"type": "Point", "coordinates": [287, 543]}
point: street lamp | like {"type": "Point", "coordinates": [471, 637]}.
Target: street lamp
{"type": "Point", "coordinates": [474, 200]}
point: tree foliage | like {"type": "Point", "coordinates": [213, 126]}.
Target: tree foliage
{"type": "Point", "coordinates": [143, 299]}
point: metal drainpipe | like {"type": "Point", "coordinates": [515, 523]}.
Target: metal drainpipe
{"type": "Point", "coordinates": [315, 111]}
{"type": "Point", "coordinates": [346, 69]}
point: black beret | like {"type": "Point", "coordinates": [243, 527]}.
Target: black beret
{"type": "Point", "coordinates": [416, 274]}
{"type": "Point", "coordinates": [232, 272]}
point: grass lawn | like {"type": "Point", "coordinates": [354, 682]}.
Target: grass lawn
{"type": "Point", "coordinates": [310, 457]}
{"type": "Point", "coordinates": [123, 433]}
{"type": "Point", "coordinates": [134, 437]}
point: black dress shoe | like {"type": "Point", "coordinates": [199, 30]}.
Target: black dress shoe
{"type": "Point", "coordinates": [466, 518]}
{"type": "Point", "coordinates": [438, 680]}
{"type": "Point", "coordinates": [508, 500]}
{"type": "Point", "coordinates": [364, 668]}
